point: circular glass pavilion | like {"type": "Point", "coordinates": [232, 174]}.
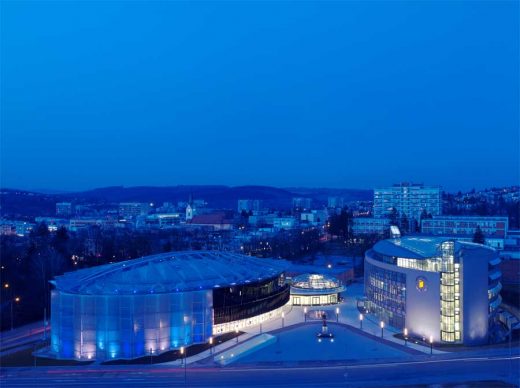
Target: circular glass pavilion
{"type": "Point", "coordinates": [315, 290]}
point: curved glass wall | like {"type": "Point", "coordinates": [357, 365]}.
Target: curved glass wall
{"type": "Point", "coordinates": [386, 294]}
{"type": "Point", "coordinates": [127, 326]}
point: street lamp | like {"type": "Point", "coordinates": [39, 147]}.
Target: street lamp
{"type": "Point", "coordinates": [382, 324]}
{"type": "Point", "coordinates": [305, 314]}
{"type": "Point", "coordinates": [6, 285]}
{"type": "Point", "coordinates": [16, 299]}
{"type": "Point", "coordinates": [405, 335]}
{"type": "Point", "coordinates": [183, 353]}
{"type": "Point", "coordinates": [236, 333]}
{"type": "Point", "coordinates": [431, 345]}
{"type": "Point", "coordinates": [361, 321]}
{"type": "Point", "coordinates": [337, 314]}
{"type": "Point", "coordinates": [283, 319]}
{"type": "Point", "coordinates": [210, 345]}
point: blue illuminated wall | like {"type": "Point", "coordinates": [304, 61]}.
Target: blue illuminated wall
{"type": "Point", "coordinates": [128, 326]}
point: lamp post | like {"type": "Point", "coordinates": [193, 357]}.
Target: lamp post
{"type": "Point", "coordinates": [305, 314]}
{"type": "Point", "coordinates": [210, 345]}
{"type": "Point", "coordinates": [283, 319]}
{"type": "Point", "coordinates": [405, 335]}
{"type": "Point", "coordinates": [151, 351]}
{"type": "Point", "coordinates": [16, 299]}
{"type": "Point", "coordinates": [183, 353]}
{"type": "Point", "coordinates": [431, 345]}
{"type": "Point", "coordinates": [382, 324]}
{"type": "Point", "coordinates": [361, 321]}
{"type": "Point", "coordinates": [236, 333]}
{"type": "Point", "coordinates": [337, 314]}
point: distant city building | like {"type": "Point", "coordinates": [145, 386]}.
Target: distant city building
{"type": "Point", "coordinates": [18, 228]}
{"type": "Point", "coordinates": [300, 203]}
{"type": "Point", "coordinates": [63, 209]}
{"type": "Point", "coordinates": [159, 221]}
{"type": "Point", "coordinates": [435, 287]}
{"type": "Point", "coordinates": [190, 211]}
{"type": "Point", "coordinates": [249, 205]}
{"type": "Point", "coordinates": [194, 207]}
{"type": "Point", "coordinates": [262, 219]}
{"type": "Point", "coordinates": [80, 223]}
{"type": "Point", "coordinates": [494, 228]}
{"type": "Point", "coordinates": [284, 222]}
{"type": "Point", "coordinates": [335, 202]}
{"type": "Point", "coordinates": [213, 221]}
{"type": "Point", "coordinates": [407, 199]}
{"type": "Point", "coordinates": [53, 223]}
{"type": "Point", "coordinates": [133, 209]}
{"type": "Point", "coordinates": [314, 217]}
{"type": "Point", "coordinates": [368, 225]}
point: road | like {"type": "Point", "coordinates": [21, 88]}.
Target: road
{"type": "Point", "coordinates": [429, 371]}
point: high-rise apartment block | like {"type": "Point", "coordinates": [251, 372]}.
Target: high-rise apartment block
{"type": "Point", "coordinates": [408, 199]}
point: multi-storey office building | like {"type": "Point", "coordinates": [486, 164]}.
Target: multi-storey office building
{"type": "Point", "coordinates": [407, 199]}
{"type": "Point", "coordinates": [436, 287]}
{"type": "Point", "coordinates": [162, 302]}
{"type": "Point", "coordinates": [494, 228]}
{"type": "Point", "coordinates": [369, 225]}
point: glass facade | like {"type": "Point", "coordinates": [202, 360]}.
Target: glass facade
{"type": "Point", "coordinates": [314, 300]}
{"type": "Point", "coordinates": [429, 265]}
{"type": "Point", "coordinates": [447, 258]}
{"type": "Point", "coordinates": [386, 293]}
{"type": "Point", "coordinates": [450, 295]}
{"type": "Point", "coordinates": [128, 326]}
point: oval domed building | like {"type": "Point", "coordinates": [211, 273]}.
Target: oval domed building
{"type": "Point", "coordinates": [159, 303]}
{"type": "Point", "coordinates": [315, 290]}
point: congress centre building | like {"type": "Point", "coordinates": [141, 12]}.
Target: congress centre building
{"type": "Point", "coordinates": [163, 302]}
{"type": "Point", "coordinates": [436, 288]}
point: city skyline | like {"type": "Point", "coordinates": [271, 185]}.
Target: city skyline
{"type": "Point", "coordinates": [346, 95]}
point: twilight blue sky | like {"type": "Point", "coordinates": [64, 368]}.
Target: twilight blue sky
{"type": "Point", "coordinates": [339, 94]}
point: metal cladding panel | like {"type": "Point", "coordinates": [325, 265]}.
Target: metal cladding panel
{"type": "Point", "coordinates": [423, 303]}
{"type": "Point", "coordinates": [475, 302]}
{"type": "Point", "coordinates": [422, 316]}
{"type": "Point", "coordinates": [85, 327]}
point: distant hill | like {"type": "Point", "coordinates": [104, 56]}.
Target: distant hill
{"type": "Point", "coordinates": [22, 204]}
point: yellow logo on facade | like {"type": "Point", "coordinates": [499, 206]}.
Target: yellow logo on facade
{"type": "Point", "coordinates": [420, 283]}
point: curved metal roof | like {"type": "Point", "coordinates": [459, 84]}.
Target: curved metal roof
{"type": "Point", "coordinates": [170, 272]}
{"type": "Point", "coordinates": [419, 247]}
